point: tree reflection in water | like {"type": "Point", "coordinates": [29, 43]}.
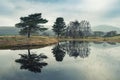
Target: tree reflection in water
{"type": "Point", "coordinates": [32, 62]}
{"type": "Point", "coordinates": [58, 52]}
{"type": "Point", "coordinates": [75, 49]}
{"type": "Point", "coordinates": [72, 48]}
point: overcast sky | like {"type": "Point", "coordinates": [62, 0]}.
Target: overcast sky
{"type": "Point", "coordinates": [97, 12]}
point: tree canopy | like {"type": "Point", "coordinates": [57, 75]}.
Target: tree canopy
{"type": "Point", "coordinates": [30, 24]}
{"type": "Point", "coordinates": [59, 26]}
{"type": "Point", "coordinates": [78, 29]}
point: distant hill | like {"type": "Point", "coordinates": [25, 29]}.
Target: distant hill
{"type": "Point", "coordinates": [9, 30]}
{"type": "Point", "coordinates": [106, 28]}
{"type": "Point", "coordinates": [5, 30]}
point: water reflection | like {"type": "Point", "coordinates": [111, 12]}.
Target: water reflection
{"type": "Point", "coordinates": [105, 45]}
{"type": "Point", "coordinates": [32, 62]}
{"type": "Point", "coordinates": [110, 43]}
{"type": "Point", "coordinates": [72, 48]}
{"type": "Point", "coordinates": [58, 52]}
{"type": "Point", "coordinates": [102, 64]}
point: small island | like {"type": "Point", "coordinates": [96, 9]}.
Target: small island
{"type": "Point", "coordinates": [30, 28]}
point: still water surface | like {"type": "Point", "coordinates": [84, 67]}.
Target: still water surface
{"type": "Point", "coordinates": [71, 60]}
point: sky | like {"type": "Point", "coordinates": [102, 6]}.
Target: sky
{"type": "Point", "coordinates": [97, 12]}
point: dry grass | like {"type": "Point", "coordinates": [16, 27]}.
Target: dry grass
{"type": "Point", "coordinates": [96, 39]}
{"type": "Point", "coordinates": [13, 41]}
{"type": "Point", "coordinates": [10, 41]}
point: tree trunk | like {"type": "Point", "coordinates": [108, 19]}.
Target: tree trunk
{"type": "Point", "coordinates": [58, 36]}
{"type": "Point", "coordinates": [29, 32]}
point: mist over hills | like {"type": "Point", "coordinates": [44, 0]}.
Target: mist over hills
{"type": "Point", "coordinates": [7, 30]}
{"type": "Point", "coordinates": [106, 28]}
{"type": "Point", "coordinates": [11, 30]}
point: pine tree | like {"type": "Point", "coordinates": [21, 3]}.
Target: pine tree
{"type": "Point", "coordinates": [59, 26]}
{"type": "Point", "coordinates": [30, 23]}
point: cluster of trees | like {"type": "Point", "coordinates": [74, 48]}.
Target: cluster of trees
{"type": "Point", "coordinates": [74, 29]}
{"type": "Point", "coordinates": [105, 34]}
{"type": "Point", "coordinates": [110, 34]}
{"type": "Point", "coordinates": [77, 29]}
{"type": "Point", "coordinates": [31, 25]}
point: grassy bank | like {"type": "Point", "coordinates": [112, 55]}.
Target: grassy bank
{"type": "Point", "coordinates": [95, 39]}
{"type": "Point", "coordinates": [7, 42]}
{"type": "Point", "coordinates": [18, 41]}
